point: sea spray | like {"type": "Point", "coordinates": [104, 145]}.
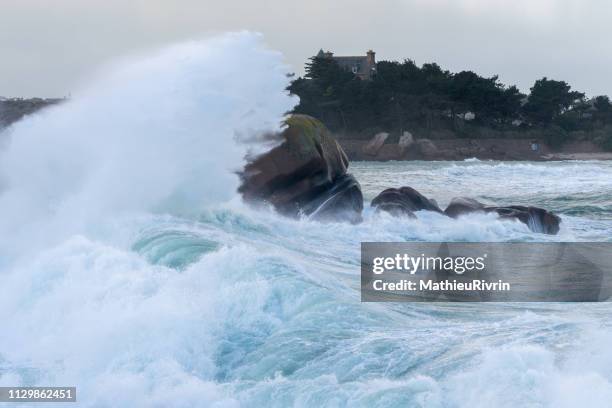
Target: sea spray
{"type": "Point", "coordinates": [272, 316]}
{"type": "Point", "coordinates": [162, 132]}
{"type": "Point", "coordinates": [136, 304]}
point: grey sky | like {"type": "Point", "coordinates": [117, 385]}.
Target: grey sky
{"type": "Point", "coordinates": [47, 46]}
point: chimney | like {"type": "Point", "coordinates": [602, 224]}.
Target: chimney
{"type": "Point", "coordinates": [371, 57]}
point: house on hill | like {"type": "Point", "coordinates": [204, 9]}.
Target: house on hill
{"type": "Point", "coordinates": [362, 66]}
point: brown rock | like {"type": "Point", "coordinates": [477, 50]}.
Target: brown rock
{"type": "Point", "coordinates": [537, 219]}
{"type": "Point", "coordinates": [305, 174]}
{"type": "Point", "coordinates": [427, 148]}
{"type": "Point", "coordinates": [403, 201]}
{"type": "Point", "coordinates": [374, 145]}
{"type": "Point", "coordinates": [405, 142]}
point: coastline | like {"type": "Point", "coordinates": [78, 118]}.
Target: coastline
{"type": "Point", "coordinates": [443, 146]}
{"type": "Point", "coordinates": [468, 148]}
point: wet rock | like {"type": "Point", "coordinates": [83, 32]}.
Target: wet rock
{"type": "Point", "coordinates": [537, 219]}
{"type": "Point", "coordinates": [463, 205]}
{"type": "Point", "coordinates": [305, 175]}
{"type": "Point", "coordinates": [342, 202]}
{"type": "Point", "coordinates": [403, 201]}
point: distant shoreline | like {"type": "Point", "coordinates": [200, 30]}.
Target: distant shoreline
{"type": "Point", "coordinates": [14, 109]}
{"type": "Point", "coordinates": [506, 146]}
{"type": "Point", "coordinates": [468, 148]}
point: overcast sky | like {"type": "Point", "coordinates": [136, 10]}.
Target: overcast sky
{"type": "Point", "coordinates": [48, 46]}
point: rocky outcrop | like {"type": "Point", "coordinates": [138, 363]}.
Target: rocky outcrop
{"type": "Point", "coordinates": [305, 175]}
{"type": "Point", "coordinates": [403, 201]}
{"type": "Point", "coordinates": [374, 145]}
{"type": "Point", "coordinates": [343, 201]}
{"type": "Point", "coordinates": [463, 205]}
{"type": "Point", "coordinates": [406, 140]}
{"type": "Point", "coordinates": [537, 219]}
{"type": "Point", "coordinates": [507, 145]}
{"type": "Point", "coordinates": [426, 148]}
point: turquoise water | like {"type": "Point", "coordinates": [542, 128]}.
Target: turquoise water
{"type": "Point", "coordinates": [289, 328]}
{"type": "Point", "coordinates": [242, 307]}
{"type": "Point", "coordinates": [131, 269]}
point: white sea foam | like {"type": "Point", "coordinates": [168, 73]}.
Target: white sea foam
{"type": "Point", "coordinates": [524, 375]}
{"type": "Point", "coordinates": [151, 133]}
{"type": "Point", "coordinates": [131, 275]}
{"type": "Point", "coordinates": [164, 132]}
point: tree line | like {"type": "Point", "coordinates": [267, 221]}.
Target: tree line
{"type": "Point", "coordinates": [403, 96]}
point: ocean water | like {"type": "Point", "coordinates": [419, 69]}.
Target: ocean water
{"type": "Point", "coordinates": [131, 269]}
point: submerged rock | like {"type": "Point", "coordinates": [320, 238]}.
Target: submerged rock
{"type": "Point", "coordinates": [403, 201]}
{"type": "Point", "coordinates": [537, 219]}
{"type": "Point", "coordinates": [305, 175]}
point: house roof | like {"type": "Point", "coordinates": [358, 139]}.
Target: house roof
{"type": "Point", "coordinates": [351, 59]}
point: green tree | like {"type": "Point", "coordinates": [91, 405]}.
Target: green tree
{"type": "Point", "coordinates": [602, 104]}
{"type": "Point", "coordinates": [323, 90]}
{"type": "Point", "coordinates": [485, 96]}
{"type": "Point", "coordinates": [402, 95]}
{"type": "Point", "coordinates": [326, 72]}
{"type": "Point", "coordinates": [549, 99]}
